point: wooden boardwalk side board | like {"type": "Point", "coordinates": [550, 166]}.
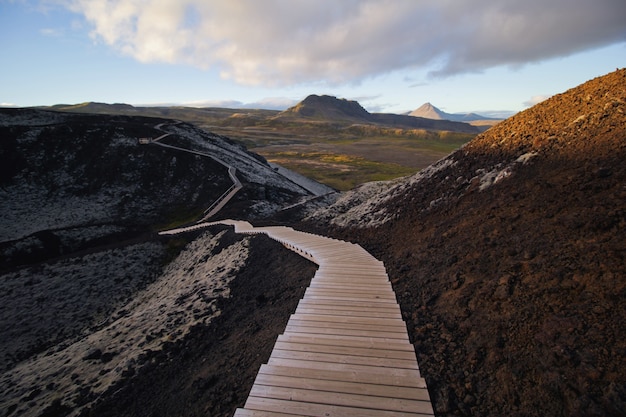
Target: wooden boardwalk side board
{"type": "Point", "coordinates": [345, 350]}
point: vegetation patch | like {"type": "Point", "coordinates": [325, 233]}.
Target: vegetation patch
{"type": "Point", "coordinates": [340, 171]}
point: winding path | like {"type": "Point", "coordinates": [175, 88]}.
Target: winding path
{"type": "Point", "coordinates": [232, 173]}
{"type": "Point", "coordinates": [345, 350]}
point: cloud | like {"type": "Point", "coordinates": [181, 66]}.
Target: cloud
{"type": "Point", "coordinates": [272, 103]}
{"type": "Point", "coordinates": [535, 100]}
{"type": "Point", "coordinates": [282, 42]}
{"type": "Point", "coordinates": [268, 103]}
{"type": "Point", "coordinates": [51, 32]}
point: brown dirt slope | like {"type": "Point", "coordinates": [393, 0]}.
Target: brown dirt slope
{"type": "Point", "coordinates": [510, 262]}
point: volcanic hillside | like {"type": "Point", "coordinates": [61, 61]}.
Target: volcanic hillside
{"type": "Point", "coordinates": [63, 172]}
{"type": "Point", "coordinates": [509, 259]}
{"type": "Point", "coordinates": [89, 294]}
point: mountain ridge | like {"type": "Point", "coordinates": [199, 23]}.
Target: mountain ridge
{"type": "Point", "coordinates": [332, 109]}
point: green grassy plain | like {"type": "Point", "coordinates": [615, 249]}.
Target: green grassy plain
{"type": "Point", "coordinates": [346, 157]}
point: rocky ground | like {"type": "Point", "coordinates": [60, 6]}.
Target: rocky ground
{"type": "Point", "coordinates": [185, 342]}
{"type": "Point", "coordinates": [90, 296]}
{"type": "Point", "coordinates": [211, 370]}
{"type": "Point", "coordinates": [509, 260]}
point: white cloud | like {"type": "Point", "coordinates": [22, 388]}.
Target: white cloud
{"type": "Point", "coordinates": [535, 100]}
{"type": "Point", "coordinates": [268, 103]}
{"type": "Point", "coordinates": [273, 103]}
{"type": "Point", "coordinates": [51, 32]}
{"type": "Point", "coordinates": [285, 42]}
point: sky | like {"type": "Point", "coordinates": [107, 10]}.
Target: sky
{"type": "Point", "coordinates": [485, 56]}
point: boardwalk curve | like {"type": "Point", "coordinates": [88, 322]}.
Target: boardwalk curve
{"type": "Point", "coordinates": [345, 350]}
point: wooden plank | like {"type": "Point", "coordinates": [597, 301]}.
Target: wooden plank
{"type": "Point", "coordinates": [242, 412]}
{"type": "Point", "coordinates": [376, 295]}
{"type": "Point", "coordinates": [345, 359]}
{"type": "Point", "coordinates": [386, 371]}
{"type": "Point", "coordinates": [318, 410]}
{"type": "Point", "coordinates": [337, 256]}
{"type": "Point", "coordinates": [345, 372]}
{"type": "Point", "coordinates": [351, 341]}
{"type": "Point", "coordinates": [380, 309]}
{"type": "Point", "coordinates": [313, 292]}
{"type": "Point", "coordinates": [343, 387]}
{"type": "Point", "coordinates": [355, 264]}
{"type": "Point", "coordinates": [392, 323]}
{"type": "Point", "coordinates": [360, 269]}
{"type": "Point", "coordinates": [350, 332]}
{"type": "Point", "coordinates": [338, 249]}
{"type": "Point", "coordinates": [354, 288]}
{"type": "Point", "coordinates": [340, 254]}
{"type": "Point", "coordinates": [355, 312]}
{"type": "Point", "coordinates": [347, 305]}
{"type": "Point", "coordinates": [336, 282]}
{"type": "Point", "coordinates": [348, 298]}
{"type": "Point", "coordinates": [351, 280]}
{"type": "Point", "coordinates": [353, 273]}
{"type": "Point", "coordinates": [362, 402]}
{"type": "Point", "coordinates": [349, 312]}
{"type": "Point", "coordinates": [344, 350]}
{"type": "Point", "coordinates": [352, 304]}
{"type": "Point", "coordinates": [351, 288]}
{"type": "Point", "coordinates": [304, 320]}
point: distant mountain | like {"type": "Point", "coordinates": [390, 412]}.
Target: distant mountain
{"type": "Point", "coordinates": [332, 109]}
{"type": "Point", "coordinates": [314, 108]}
{"type": "Point", "coordinates": [428, 111]}
{"type": "Point", "coordinates": [328, 107]}
{"type": "Point", "coordinates": [95, 107]}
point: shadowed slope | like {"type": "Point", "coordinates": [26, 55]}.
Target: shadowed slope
{"type": "Point", "coordinates": [509, 259]}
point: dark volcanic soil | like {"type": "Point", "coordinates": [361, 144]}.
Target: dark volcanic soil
{"type": "Point", "coordinates": [514, 295]}
{"type": "Point", "coordinates": [211, 371]}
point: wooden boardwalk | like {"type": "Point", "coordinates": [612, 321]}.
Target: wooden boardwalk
{"type": "Point", "coordinates": [345, 350]}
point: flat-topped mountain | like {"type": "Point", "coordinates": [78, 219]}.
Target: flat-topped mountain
{"type": "Point", "coordinates": [329, 107]}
